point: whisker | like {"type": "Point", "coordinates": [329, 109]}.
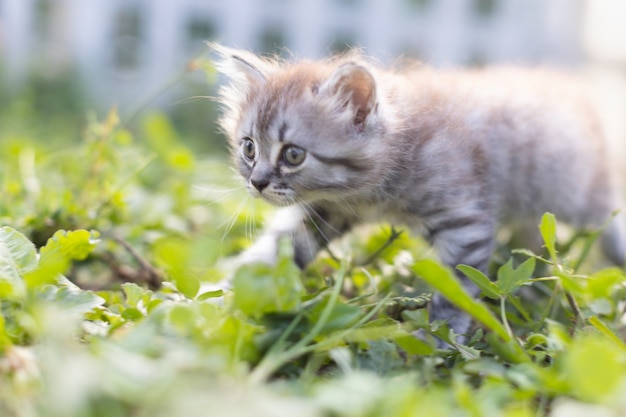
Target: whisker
{"type": "Point", "coordinates": [308, 207]}
{"type": "Point", "coordinates": [226, 193]}
{"type": "Point", "coordinates": [233, 219]}
{"type": "Point", "coordinates": [217, 189]}
{"type": "Point", "coordinates": [251, 229]}
{"type": "Point", "coordinates": [308, 215]}
{"type": "Point", "coordinates": [306, 234]}
{"type": "Point", "coordinates": [255, 229]}
{"type": "Point", "coordinates": [349, 206]}
{"type": "Point", "coordinates": [193, 99]}
{"type": "Point", "coordinates": [247, 225]}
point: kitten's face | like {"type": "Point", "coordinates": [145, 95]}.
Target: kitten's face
{"type": "Point", "coordinates": [300, 154]}
{"type": "Point", "coordinates": [301, 131]}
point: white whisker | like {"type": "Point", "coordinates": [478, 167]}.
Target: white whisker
{"type": "Point", "coordinates": [306, 207]}
{"type": "Point", "coordinates": [233, 218]}
{"type": "Point", "coordinates": [225, 194]}
{"type": "Point", "coordinates": [218, 189]}
{"type": "Point", "coordinates": [349, 206]}
{"type": "Point", "coordinates": [193, 99]}
{"type": "Point", "coordinates": [322, 219]}
{"type": "Point", "coordinates": [255, 229]}
{"type": "Point", "coordinates": [312, 252]}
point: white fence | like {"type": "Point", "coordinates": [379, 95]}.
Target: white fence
{"type": "Point", "coordinates": [123, 47]}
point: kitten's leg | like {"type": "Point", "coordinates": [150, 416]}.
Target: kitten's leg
{"type": "Point", "coordinates": [319, 227]}
{"type": "Point", "coordinates": [285, 222]}
{"type": "Point", "coordinates": [613, 240]}
{"type": "Point", "coordinates": [462, 237]}
{"type": "Point", "coordinates": [311, 229]}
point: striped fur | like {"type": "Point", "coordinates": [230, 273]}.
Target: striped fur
{"type": "Point", "coordinates": [450, 154]}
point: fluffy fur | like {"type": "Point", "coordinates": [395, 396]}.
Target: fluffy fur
{"type": "Point", "coordinates": [451, 154]}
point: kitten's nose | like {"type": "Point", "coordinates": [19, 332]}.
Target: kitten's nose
{"type": "Point", "coordinates": [260, 184]}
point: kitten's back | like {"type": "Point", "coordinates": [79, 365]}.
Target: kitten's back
{"type": "Point", "coordinates": [540, 139]}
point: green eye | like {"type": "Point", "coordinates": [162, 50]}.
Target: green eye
{"type": "Point", "coordinates": [293, 155]}
{"type": "Point", "coordinates": [249, 149]}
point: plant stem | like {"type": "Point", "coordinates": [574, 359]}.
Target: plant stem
{"type": "Point", "coordinates": [543, 404]}
{"type": "Point", "coordinates": [281, 340]}
{"type": "Point", "coordinates": [392, 238]}
{"type": "Point", "coordinates": [273, 361]}
{"type": "Point", "coordinates": [591, 239]}
{"type": "Point", "coordinates": [503, 315]}
{"type": "Point", "coordinates": [574, 305]}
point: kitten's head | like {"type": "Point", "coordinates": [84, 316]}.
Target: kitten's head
{"type": "Point", "coordinates": [300, 132]}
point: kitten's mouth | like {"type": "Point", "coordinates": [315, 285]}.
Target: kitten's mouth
{"type": "Point", "coordinates": [278, 199]}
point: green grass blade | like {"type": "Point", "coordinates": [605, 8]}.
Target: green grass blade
{"type": "Point", "coordinates": [444, 281]}
{"type": "Point", "coordinates": [548, 233]}
{"type": "Point", "coordinates": [488, 288]}
{"type": "Point", "coordinates": [602, 328]}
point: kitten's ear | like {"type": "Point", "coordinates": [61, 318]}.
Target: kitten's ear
{"type": "Point", "coordinates": [354, 88]}
{"type": "Point", "coordinates": [242, 67]}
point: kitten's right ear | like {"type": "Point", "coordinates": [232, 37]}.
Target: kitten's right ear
{"type": "Point", "coordinates": [353, 88]}
{"type": "Point", "coordinates": [242, 67]}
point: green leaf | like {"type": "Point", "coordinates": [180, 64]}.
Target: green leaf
{"type": "Point", "coordinates": [486, 368]}
{"type": "Point", "coordinates": [381, 356]}
{"type": "Point", "coordinates": [154, 303]}
{"type": "Point", "coordinates": [413, 345]}
{"type": "Point", "coordinates": [602, 283]}
{"type": "Point", "coordinates": [182, 317]}
{"type": "Point", "coordinates": [419, 317]}
{"type": "Point", "coordinates": [488, 288]}
{"type": "Point", "coordinates": [58, 253]}
{"type": "Point", "coordinates": [77, 300]}
{"type": "Point", "coordinates": [548, 233]}
{"type": "Point", "coordinates": [444, 281]}
{"type": "Point", "coordinates": [210, 294]}
{"type": "Point", "coordinates": [342, 316]}
{"type": "Point", "coordinates": [5, 339]}
{"type": "Point", "coordinates": [515, 302]}
{"type": "Point", "coordinates": [188, 285]}
{"type": "Point", "coordinates": [510, 279]}
{"type": "Point", "coordinates": [508, 350]}
{"type": "Point", "coordinates": [132, 314]}
{"type": "Point", "coordinates": [467, 352]}
{"type": "Point", "coordinates": [185, 261]}
{"type": "Point", "coordinates": [594, 367]}
{"type": "Point", "coordinates": [74, 245]}
{"type": "Point", "coordinates": [17, 256]}
{"type": "Point", "coordinates": [133, 293]}
{"type": "Point", "coordinates": [602, 328]}
{"type": "Point", "coordinates": [261, 288]}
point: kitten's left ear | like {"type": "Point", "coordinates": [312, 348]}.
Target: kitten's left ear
{"type": "Point", "coordinates": [354, 87]}
{"type": "Point", "coordinates": [242, 67]}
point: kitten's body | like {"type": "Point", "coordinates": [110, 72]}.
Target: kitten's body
{"type": "Point", "coordinates": [449, 154]}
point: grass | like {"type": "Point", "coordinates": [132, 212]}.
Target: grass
{"type": "Point", "coordinates": [108, 251]}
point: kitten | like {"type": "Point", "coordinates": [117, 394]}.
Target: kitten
{"type": "Point", "coordinates": [450, 154]}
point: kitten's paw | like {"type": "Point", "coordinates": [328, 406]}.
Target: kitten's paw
{"type": "Point", "coordinates": [257, 253]}
{"type": "Point", "coordinates": [264, 250]}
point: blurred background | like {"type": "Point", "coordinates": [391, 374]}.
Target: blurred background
{"type": "Point", "coordinates": [60, 60]}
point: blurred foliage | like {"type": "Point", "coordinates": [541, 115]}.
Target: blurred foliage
{"type": "Point", "coordinates": [111, 249]}
{"type": "Point", "coordinates": [50, 108]}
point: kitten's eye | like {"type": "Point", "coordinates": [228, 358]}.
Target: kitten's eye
{"type": "Point", "coordinates": [249, 149]}
{"type": "Point", "coordinates": [293, 155]}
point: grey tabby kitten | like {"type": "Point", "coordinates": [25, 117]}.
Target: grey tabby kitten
{"type": "Point", "coordinates": [449, 154]}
